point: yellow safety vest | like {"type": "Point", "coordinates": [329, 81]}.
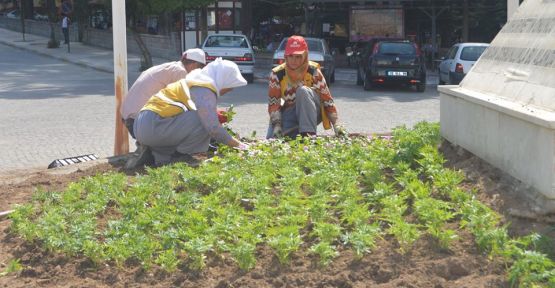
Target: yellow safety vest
{"type": "Point", "coordinates": [174, 99]}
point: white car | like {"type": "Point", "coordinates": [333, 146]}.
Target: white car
{"type": "Point", "coordinates": [14, 14]}
{"type": "Point", "coordinates": [234, 47]}
{"type": "Point", "coordinates": [460, 58]}
{"type": "Point", "coordinates": [318, 51]}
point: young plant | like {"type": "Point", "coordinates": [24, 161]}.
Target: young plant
{"type": "Point", "coordinates": [244, 254]}
{"type": "Point", "coordinates": [434, 214]}
{"type": "Point", "coordinates": [196, 249]}
{"type": "Point", "coordinates": [13, 267]}
{"type": "Point", "coordinates": [362, 239]}
{"type": "Point", "coordinates": [431, 161]}
{"type": "Point", "coordinates": [532, 269]}
{"type": "Point", "coordinates": [285, 241]}
{"type": "Point", "coordinates": [325, 251]}
{"type": "Point", "coordinates": [405, 233]}
{"type": "Point", "coordinates": [168, 260]}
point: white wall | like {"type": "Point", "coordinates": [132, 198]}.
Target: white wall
{"type": "Point", "coordinates": [504, 109]}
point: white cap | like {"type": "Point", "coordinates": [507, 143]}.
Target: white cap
{"type": "Point", "coordinates": [195, 54]}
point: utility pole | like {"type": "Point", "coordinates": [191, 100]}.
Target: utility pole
{"type": "Point", "coordinates": [119, 28]}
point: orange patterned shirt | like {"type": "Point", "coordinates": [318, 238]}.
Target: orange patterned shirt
{"type": "Point", "coordinates": [282, 92]}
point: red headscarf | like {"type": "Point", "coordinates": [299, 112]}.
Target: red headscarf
{"type": "Point", "coordinates": [296, 45]}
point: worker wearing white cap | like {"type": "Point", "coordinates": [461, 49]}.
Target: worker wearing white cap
{"type": "Point", "coordinates": [155, 79]}
{"type": "Point", "coordinates": [181, 119]}
{"type": "Point", "coordinates": [149, 83]}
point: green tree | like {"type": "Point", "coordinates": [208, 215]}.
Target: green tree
{"type": "Point", "coordinates": [137, 8]}
{"type": "Point", "coordinates": [485, 19]}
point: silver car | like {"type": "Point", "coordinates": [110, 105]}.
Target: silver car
{"type": "Point", "coordinates": [234, 47]}
{"type": "Point", "coordinates": [318, 51]}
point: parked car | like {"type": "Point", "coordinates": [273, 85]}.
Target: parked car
{"type": "Point", "coordinates": [392, 61]}
{"type": "Point", "coordinates": [13, 14]}
{"type": "Point", "coordinates": [318, 51]}
{"type": "Point", "coordinates": [362, 50]}
{"type": "Point", "coordinates": [459, 60]}
{"type": "Point", "coordinates": [100, 18]}
{"type": "Point", "coordinates": [40, 17]}
{"type": "Point", "coordinates": [234, 47]}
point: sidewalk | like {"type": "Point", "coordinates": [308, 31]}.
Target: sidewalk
{"type": "Point", "coordinates": [89, 56]}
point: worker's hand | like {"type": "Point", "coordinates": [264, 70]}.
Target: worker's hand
{"type": "Point", "coordinates": [340, 131]}
{"type": "Point", "coordinates": [222, 118]}
{"type": "Point", "coordinates": [243, 146]}
{"type": "Point", "coordinates": [277, 131]}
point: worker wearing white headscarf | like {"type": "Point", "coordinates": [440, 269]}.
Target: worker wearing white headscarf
{"type": "Point", "coordinates": [182, 118]}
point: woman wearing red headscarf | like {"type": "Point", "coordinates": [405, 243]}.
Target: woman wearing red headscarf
{"type": "Point", "coordinates": [299, 98]}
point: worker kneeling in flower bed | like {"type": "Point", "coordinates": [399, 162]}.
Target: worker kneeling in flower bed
{"type": "Point", "coordinates": [182, 118]}
{"type": "Point", "coordinates": [302, 88]}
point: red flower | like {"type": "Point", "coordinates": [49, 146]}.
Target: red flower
{"type": "Point", "coordinates": [221, 116]}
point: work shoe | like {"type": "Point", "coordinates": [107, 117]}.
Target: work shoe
{"type": "Point", "coordinates": [186, 158]}
{"type": "Point", "coordinates": [142, 156]}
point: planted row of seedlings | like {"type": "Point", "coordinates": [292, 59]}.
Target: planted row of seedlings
{"type": "Point", "coordinates": [321, 193]}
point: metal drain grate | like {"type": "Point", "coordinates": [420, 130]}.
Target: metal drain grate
{"type": "Point", "coordinates": [72, 160]}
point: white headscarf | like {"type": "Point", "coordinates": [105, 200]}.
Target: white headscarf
{"type": "Point", "coordinates": [220, 73]}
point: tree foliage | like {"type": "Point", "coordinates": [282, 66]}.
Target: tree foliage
{"type": "Point", "coordinates": [145, 7]}
{"type": "Point", "coordinates": [486, 17]}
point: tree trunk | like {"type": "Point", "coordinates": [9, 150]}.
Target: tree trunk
{"type": "Point", "coordinates": [203, 24]}
{"type": "Point", "coordinates": [146, 58]}
{"type": "Point", "coordinates": [81, 15]}
{"type": "Point", "coordinates": [51, 6]}
{"type": "Point", "coordinates": [22, 13]}
{"type": "Point", "coordinates": [465, 21]}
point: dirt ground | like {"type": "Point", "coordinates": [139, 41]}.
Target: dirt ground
{"type": "Point", "coordinates": [424, 266]}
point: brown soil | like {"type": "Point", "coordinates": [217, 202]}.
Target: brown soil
{"type": "Point", "coordinates": [424, 266]}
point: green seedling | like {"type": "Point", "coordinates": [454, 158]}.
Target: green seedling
{"type": "Point", "coordinates": [13, 266]}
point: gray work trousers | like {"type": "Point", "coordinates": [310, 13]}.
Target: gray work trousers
{"type": "Point", "coordinates": [183, 133]}
{"type": "Point", "coordinates": [303, 117]}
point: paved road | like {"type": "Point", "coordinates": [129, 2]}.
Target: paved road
{"type": "Point", "coordinates": [54, 109]}
{"type": "Point", "coordinates": [51, 109]}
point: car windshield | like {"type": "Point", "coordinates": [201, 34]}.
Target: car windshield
{"type": "Point", "coordinates": [313, 45]}
{"type": "Point", "coordinates": [227, 42]}
{"type": "Point", "coordinates": [472, 53]}
{"type": "Point", "coordinates": [397, 48]}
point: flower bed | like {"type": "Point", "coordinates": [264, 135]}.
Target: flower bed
{"type": "Point", "coordinates": [318, 198]}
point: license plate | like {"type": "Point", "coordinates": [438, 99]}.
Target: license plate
{"type": "Point", "coordinates": [396, 73]}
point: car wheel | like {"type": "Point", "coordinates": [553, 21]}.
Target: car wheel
{"type": "Point", "coordinates": [249, 78]}
{"type": "Point", "coordinates": [441, 82]}
{"type": "Point", "coordinates": [367, 85]}
{"type": "Point", "coordinates": [421, 87]}
{"type": "Point", "coordinates": [359, 77]}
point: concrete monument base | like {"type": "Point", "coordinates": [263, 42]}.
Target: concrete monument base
{"type": "Point", "coordinates": [504, 109]}
{"type": "Point", "coordinates": [510, 136]}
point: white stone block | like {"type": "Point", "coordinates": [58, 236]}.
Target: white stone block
{"type": "Point", "coordinates": [504, 109]}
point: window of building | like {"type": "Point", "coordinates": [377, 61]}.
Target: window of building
{"type": "Point", "coordinates": [227, 14]}
{"type": "Point", "coordinates": [211, 19]}
{"type": "Point", "coordinates": [225, 18]}
{"type": "Point", "coordinates": [190, 19]}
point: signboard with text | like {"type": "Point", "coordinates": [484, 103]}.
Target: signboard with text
{"type": "Point", "coordinates": [366, 23]}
